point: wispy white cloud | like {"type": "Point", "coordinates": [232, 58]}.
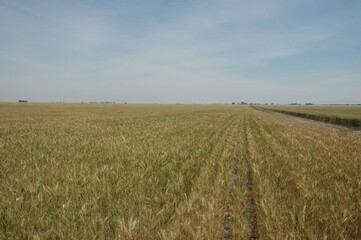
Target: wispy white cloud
{"type": "Point", "coordinates": [196, 51]}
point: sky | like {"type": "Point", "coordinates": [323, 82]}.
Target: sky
{"type": "Point", "coordinates": [181, 51]}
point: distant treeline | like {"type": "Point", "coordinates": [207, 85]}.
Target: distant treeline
{"type": "Point", "coordinates": [348, 122]}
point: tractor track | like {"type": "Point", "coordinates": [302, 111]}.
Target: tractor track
{"type": "Point", "coordinates": [250, 213]}
{"type": "Point", "coordinates": [227, 226]}
{"type": "Point", "coordinates": [227, 217]}
{"type": "Point", "coordinates": [250, 198]}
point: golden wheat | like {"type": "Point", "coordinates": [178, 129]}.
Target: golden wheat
{"type": "Point", "coordinates": [80, 171]}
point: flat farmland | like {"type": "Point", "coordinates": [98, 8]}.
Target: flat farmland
{"type": "Point", "coordinates": [91, 171]}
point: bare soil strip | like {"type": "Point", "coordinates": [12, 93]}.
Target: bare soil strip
{"type": "Point", "coordinates": [356, 130]}
{"type": "Point", "coordinates": [251, 206]}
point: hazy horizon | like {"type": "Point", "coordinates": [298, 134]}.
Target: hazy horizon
{"type": "Point", "coordinates": [217, 51]}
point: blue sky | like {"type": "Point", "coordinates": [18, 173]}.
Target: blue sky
{"type": "Point", "coordinates": [214, 51]}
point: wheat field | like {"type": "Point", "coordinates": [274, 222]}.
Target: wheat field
{"type": "Point", "coordinates": [92, 171]}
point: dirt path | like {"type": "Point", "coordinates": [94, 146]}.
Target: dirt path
{"type": "Point", "coordinates": [352, 130]}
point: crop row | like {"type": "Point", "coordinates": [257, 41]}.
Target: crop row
{"type": "Point", "coordinates": [175, 172]}
{"type": "Point", "coordinates": [307, 179]}
{"type": "Point", "coordinates": [100, 174]}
